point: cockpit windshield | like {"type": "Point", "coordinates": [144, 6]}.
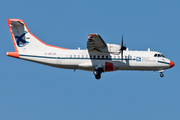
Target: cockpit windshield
{"type": "Point", "coordinates": [159, 55]}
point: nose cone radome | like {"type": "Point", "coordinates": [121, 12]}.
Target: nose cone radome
{"type": "Point", "coordinates": [171, 64]}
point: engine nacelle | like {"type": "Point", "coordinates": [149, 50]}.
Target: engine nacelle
{"type": "Point", "coordinates": [113, 48]}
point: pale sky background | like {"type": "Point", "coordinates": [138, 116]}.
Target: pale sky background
{"type": "Point", "coordinates": [31, 91]}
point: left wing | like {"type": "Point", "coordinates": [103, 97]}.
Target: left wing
{"type": "Point", "coordinates": [95, 42]}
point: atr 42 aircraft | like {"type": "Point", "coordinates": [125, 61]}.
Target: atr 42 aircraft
{"type": "Point", "coordinates": [99, 57]}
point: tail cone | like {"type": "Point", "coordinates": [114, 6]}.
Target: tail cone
{"type": "Point", "coordinates": [13, 54]}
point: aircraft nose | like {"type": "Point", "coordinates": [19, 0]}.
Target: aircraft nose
{"type": "Point", "coordinates": [171, 64]}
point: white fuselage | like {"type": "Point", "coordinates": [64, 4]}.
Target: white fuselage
{"type": "Point", "coordinates": [84, 60]}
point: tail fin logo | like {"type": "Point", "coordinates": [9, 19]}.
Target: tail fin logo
{"type": "Point", "coordinates": [20, 42]}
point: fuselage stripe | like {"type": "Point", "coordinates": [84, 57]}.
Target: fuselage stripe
{"type": "Point", "coordinates": [83, 58]}
{"type": "Point", "coordinates": [74, 58]}
{"type": "Point", "coordinates": [163, 62]}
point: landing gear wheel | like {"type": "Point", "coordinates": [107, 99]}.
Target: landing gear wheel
{"type": "Point", "coordinates": [161, 75]}
{"type": "Point", "coordinates": [98, 76]}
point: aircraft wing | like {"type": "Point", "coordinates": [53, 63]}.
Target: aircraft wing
{"type": "Point", "coordinates": [95, 42]}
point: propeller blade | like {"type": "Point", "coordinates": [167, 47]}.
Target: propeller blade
{"type": "Point", "coordinates": [122, 46]}
{"type": "Point", "coordinates": [122, 54]}
{"type": "Point", "coordinates": [122, 41]}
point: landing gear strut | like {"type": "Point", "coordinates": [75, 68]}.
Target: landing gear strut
{"type": "Point", "coordinates": [98, 73]}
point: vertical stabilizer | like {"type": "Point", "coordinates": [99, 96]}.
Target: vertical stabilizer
{"type": "Point", "coordinates": [24, 40]}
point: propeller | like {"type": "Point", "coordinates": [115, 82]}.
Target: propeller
{"type": "Point", "coordinates": [122, 48]}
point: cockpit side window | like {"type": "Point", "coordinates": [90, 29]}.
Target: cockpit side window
{"type": "Point", "coordinates": [162, 55]}
{"type": "Point", "coordinates": [155, 55]}
{"type": "Point", "coordinates": [159, 55]}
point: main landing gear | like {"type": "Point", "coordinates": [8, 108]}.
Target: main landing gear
{"type": "Point", "coordinates": [98, 73]}
{"type": "Point", "coordinates": [161, 73]}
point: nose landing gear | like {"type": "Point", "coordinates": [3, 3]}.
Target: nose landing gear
{"type": "Point", "coordinates": [161, 71]}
